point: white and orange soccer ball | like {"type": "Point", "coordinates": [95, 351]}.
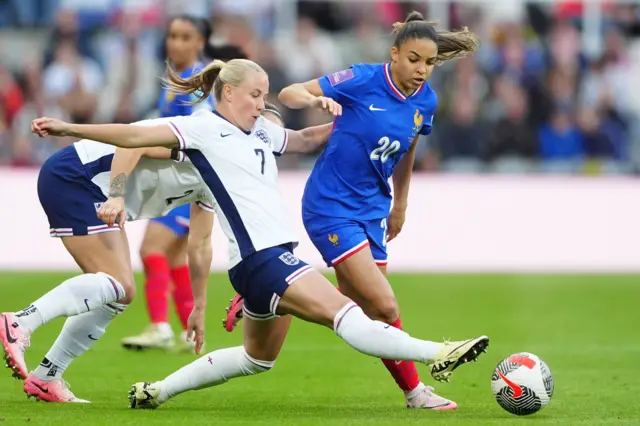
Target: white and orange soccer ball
{"type": "Point", "coordinates": [522, 384]}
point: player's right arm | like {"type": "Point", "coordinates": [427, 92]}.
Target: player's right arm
{"type": "Point", "coordinates": [120, 135]}
{"type": "Point", "coordinates": [342, 87]}
{"type": "Point", "coordinates": [308, 95]}
{"type": "Point", "coordinates": [199, 255]}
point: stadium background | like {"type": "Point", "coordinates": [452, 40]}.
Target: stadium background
{"type": "Point", "coordinates": [531, 169]}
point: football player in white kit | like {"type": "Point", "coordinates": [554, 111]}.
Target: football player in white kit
{"type": "Point", "coordinates": [73, 186]}
{"type": "Point", "coordinates": [233, 148]}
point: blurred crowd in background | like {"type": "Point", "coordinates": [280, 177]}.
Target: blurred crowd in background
{"type": "Point", "coordinates": [540, 96]}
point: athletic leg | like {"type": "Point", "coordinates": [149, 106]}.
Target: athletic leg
{"type": "Point", "coordinates": [357, 251]}
{"type": "Point", "coordinates": [160, 236]}
{"type": "Point", "coordinates": [263, 341]}
{"type": "Point", "coordinates": [91, 301]}
{"type": "Point", "coordinates": [181, 290]}
{"type": "Point", "coordinates": [70, 200]}
{"type": "Point", "coordinates": [314, 299]}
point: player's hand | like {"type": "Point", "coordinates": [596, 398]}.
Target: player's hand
{"type": "Point", "coordinates": [45, 126]}
{"type": "Point", "coordinates": [112, 211]}
{"type": "Point", "coordinates": [329, 105]}
{"type": "Point", "coordinates": [195, 328]}
{"type": "Point", "coordinates": [395, 222]}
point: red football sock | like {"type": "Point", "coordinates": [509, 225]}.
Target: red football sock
{"type": "Point", "coordinates": [156, 287]}
{"type": "Point", "coordinates": [182, 293]}
{"type": "Point", "coordinates": [404, 372]}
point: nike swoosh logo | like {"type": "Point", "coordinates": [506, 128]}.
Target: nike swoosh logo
{"type": "Point", "coordinates": [10, 338]}
{"type": "Point", "coordinates": [372, 108]}
{"type": "Point", "coordinates": [45, 390]}
{"type": "Point", "coordinates": [517, 390]}
{"type": "Point", "coordinates": [91, 337]}
{"type": "Point", "coordinates": [170, 200]}
{"type": "Point", "coordinates": [86, 302]}
{"type": "Point", "coordinates": [224, 136]}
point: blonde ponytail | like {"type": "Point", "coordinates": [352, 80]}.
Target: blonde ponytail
{"type": "Point", "coordinates": [212, 78]}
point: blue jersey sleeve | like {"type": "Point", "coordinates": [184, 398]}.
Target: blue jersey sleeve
{"type": "Point", "coordinates": [347, 85]}
{"type": "Point", "coordinates": [427, 125]}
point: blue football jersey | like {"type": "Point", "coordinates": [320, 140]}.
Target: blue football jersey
{"type": "Point", "coordinates": [172, 104]}
{"type": "Point", "coordinates": [378, 124]}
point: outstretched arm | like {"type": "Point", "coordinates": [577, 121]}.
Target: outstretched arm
{"type": "Point", "coordinates": [308, 140]}
{"type": "Point", "coordinates": [308, 95]}
{"type": "Point", "coordinates": [120, 135]}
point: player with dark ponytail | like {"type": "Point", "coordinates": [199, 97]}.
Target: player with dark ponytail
{"type": "Point", "coordinates": [380, 109]}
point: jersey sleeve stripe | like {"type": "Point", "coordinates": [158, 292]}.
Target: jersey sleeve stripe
{"type": "Point", "coordinates": [181, 142]}
{"type": "Point", "coordinates": [205, 206]}
{"type": "Point", "coordinates": [284, 144]}
{"type": "Point", "coordinates": [225, 202]}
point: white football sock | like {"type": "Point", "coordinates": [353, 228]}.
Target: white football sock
{"type": "Point", "coordinates": [74, 296]}
{"type": "Point", "coordinates": [164, 328]}
{"type": "Point", "coordinates": [381, 340]}
{"type": "Point", "coordinates": [213, 369]}
{"type": "Point", "coordinates": [79, 333]}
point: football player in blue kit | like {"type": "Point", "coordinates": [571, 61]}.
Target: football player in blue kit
{"type": "Point", "coordinates": [164, 246]}
{"type": "Point", "coordinates": [380, 109]}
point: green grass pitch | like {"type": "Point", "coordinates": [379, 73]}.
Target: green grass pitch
{"type": "Point", "coordinates": [585, 327]}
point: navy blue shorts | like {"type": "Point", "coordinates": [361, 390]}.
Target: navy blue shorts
{"type": "Point", "coordinates": [338, 238]}
{"type": "Point", "coordinates": [177, 220]}
{"type": "Point", "coordinates": [69, 198]}
{"type": "Point", "coordinates": [262, 278]}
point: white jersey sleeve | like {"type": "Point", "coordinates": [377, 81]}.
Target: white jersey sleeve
{"type": "Point", "coordinates": [191, 130]}
{"type": "Point", "coordinates": [276, 136]}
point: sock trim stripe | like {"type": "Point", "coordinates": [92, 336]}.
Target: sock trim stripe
{"type": "Point", "coordinates": [115, 288]}
{"type": "Point", "coordinates": [353, 305]}
{"type": "Point", "coordinates": [115, 307]}
{"type": "Point", "coordinates": [265, 365]}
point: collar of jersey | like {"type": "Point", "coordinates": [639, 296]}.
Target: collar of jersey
{"type": "Point", "coordinates": [220, 115]}
{"type": "Point", "coordinates": [396, 91]}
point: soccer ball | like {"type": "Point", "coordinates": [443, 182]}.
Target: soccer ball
{"type": "Point", "coordinates": [522, 384]}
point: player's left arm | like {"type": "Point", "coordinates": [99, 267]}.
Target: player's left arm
{"type": "Point", "coordinates": [308, 140]}
{"type": "Point", "coordinates": [122, 164]}
{"type": "Point", "coordinates": [401, 180]}
{"type": "Point", "coordinates": [120, 135]}
{"type": "Point", "coordinates": [199, 255]}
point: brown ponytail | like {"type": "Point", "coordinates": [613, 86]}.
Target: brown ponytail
{"type": "Point", "coordinates": [451, 44]}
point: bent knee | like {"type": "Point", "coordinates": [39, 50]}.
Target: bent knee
{"type": "Point", "coordinates": [128, 286]}
{"type": "Point", "coordinates": [149, 249]}
{"type": "Point", "coordinates": [384, 309]}
{"type": "Point", "coordinates": [253, 365]}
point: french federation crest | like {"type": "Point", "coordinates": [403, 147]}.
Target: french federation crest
{"type": "Point", "coordinates": [289, 258]}
{"type": "Point", "coordinates": [262, 135]}
{"type": "Point", "coordinates": [417, 121]}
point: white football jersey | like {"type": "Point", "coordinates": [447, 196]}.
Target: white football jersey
{"type": "Point", "coordinates": [154, 187]}
{"type": "Point", "coordinates": [240, 170]}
